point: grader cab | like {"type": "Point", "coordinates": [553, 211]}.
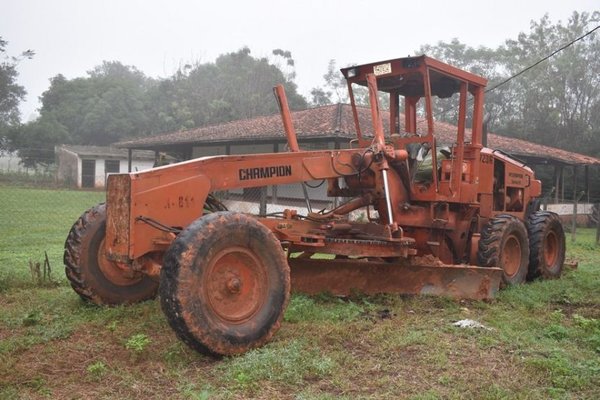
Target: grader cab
{"type": "Point", "coordinates": [462, 227]}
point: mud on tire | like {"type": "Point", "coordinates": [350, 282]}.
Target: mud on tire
{"type": "Point", "coordinates": [225, 284]}
{"type": "Point", "coordinates": [85, 265]}
{"type": "Point", "coordinates": [504, 244]}
{"type": "Point", "coordinates": [546, 245]}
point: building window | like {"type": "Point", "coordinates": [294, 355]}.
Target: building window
{"type": "Point", "coordinates": [88, 173]}
{"type": "Point", "coordinates": [111, 167]}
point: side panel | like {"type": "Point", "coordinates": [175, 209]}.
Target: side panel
{"type": "Point", "coordinates": [514, 186]}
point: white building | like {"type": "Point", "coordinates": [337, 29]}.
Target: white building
{"type": "Point", "coordinates": [88, 166]}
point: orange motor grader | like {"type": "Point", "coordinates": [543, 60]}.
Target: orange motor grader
{"type": "Point", "coordinates": [462, 228]}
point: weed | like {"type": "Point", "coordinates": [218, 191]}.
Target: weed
{"type": "Point", "coordinates": [495, 392]}
{"type": "Point", "coordinates": [9, 392]}
{"type": "Point", "coordinates": [319, 396]}
{"type": "Point", "coordinates": [111, 326]}
{"type": "Point", "coordinates": [586, 323]}
{"type": "Point", "coordinates": [137, 343]}
{"type": "Point", "coordinates": [428, 395]}
{"type": "Point", "coordinates": [97, 369]}
{"type": "Point", "coordinates": [594, 342]}
{"type": "Point", "coordinates": [556, 332]}
{"type": "Point", "coordinates": [557, 315]}
{"type": "Point", "coordinates": [32, 318]}
{"type": "Point", "coordinates": [191, 391]}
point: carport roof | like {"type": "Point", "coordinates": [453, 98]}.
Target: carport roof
{"type": "Point", "coordinates": [336, 121]}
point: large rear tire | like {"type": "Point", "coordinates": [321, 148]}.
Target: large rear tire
{"type": "Point", "coordinates": [546, 245]}
{"type": "Point", "coordinates": [225, 284]}
{"type": "Point", "coordinates": [92, 276]}
{"type": "Point", "coordinates": [504, 244]}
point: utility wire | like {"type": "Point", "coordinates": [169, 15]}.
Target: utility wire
{"type": "Point", "coordinates": [529, 67]}
{"type": "Point", "coordinates": [543, 59]}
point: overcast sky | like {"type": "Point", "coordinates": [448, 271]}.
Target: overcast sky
{"type": "Point", "coordinates": [70, 37]}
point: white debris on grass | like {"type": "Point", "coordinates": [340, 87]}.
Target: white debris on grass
{"type": "Point", "coordinates": [469, 323]}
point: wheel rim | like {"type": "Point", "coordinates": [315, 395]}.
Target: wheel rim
{"type": "Point", "coordinates": [550, 249]}
{"type": "Point", "coordinates": [236, 283]}
{"type": "Point", "coordinates": [112, 272]}
{"type": "Point", "coordinates": [511, 256]}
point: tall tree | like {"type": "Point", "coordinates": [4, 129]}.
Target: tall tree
{"type": "Point", "coordinates": [11, 93]}
{"type": "Point", "coordinates": [100, 109]}
{"type": "Point", "coordinates": [114, 101]}
{"type": "Point", "coordinates": [334, 89]}
{"type": "Point", "coordinates": [235, 86]}
{"type": "Point", "coordinates": [557, 102]}
{"type": "Point", "coordinates": [482, 61]}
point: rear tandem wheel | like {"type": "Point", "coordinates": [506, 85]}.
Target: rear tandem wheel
{"type": "Point", "coordinates": [504, 244]}
{"type": "Point", "coordinates": [547, 245]}
{"type": "Point", "coordinates": [92, 276]}
{"type": "Point", "coordinates": [225, 284]}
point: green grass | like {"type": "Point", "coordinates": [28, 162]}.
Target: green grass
{"type": "Point", "coordinates": [32, 222]}
{"type": "Point", "coordinates": [544, 340]}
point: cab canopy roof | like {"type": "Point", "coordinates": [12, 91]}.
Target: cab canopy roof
{"type": "Point", "coordinates": [406, 76]}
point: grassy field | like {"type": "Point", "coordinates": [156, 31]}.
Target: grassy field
{"type": "Point", "coordinates": [543, 339]}
{"type": "Point", "coordinates": [33, 222]}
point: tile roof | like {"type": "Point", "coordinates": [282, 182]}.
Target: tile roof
{"type": "Point", "coordinates": [336, 121]}
{"type": "Point", "coordinates": [104, 151]}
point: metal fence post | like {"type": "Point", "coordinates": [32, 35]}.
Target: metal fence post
{"type": "Point", "coordinates": [598, 224]}
{"type": "Point", "coordinates": [263, 201]}
{"type": "Point", "coordinates": [574, 221]}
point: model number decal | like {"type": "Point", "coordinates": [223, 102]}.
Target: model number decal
{"type": "Point", "coordinates": [382, 69]}
{"type": "Point", "coordinates": [264, 172]}
{"type": "Point", "coordinates": [515, 178]}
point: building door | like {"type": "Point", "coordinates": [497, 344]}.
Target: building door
{"type": "Point", "coordinates": [88, 173]}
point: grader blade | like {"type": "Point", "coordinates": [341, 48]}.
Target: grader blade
{"type": "Point", "coordinates": [344, 277]}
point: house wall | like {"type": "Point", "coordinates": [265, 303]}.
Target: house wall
{"type": "Point", "coordinates": [567, 209]}
{"type": "Point", "coordinates": [101, 175]}
{"type": "Point", "coordinates": [565, 213]}
{"type": "Point", "coordinates": [68, 167]}
{"type": "Point", "coordinates": [136, 165]}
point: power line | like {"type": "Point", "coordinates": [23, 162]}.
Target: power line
{"type": "Point", "coordinates": [543, 59]}
{"type": "Point", "coordinates": [530, 67]}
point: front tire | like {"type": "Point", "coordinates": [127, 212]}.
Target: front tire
{"type": "Point", "coordinates": [546, 244]}
{"type": "Point", "coordinates": [225, 284]}
{"type": "Point", "coordinates": [504, 244]}
{"type": "Point", "coordinates": [92, 276]}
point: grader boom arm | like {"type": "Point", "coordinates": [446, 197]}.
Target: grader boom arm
{"type": "Point", "coordinates": [143, 207]}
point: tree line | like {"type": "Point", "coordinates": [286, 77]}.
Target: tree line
{"type": "Point", "coordinates": [556, 103]}
{"type": "Point", "coordinates": [115, 102]}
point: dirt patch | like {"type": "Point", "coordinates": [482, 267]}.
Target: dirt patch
{"type": "Point", "coordinates": [587, 310]}
{"type": "Point", "coordinates": [62, 369]}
